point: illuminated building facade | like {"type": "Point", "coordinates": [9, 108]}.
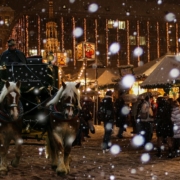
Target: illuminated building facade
{"type": "Point", "coordinates": [136, 23]}
{"type": "Point", "coordinates": [6, 19]}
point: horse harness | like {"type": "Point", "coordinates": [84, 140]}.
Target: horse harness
{"type": "Point", "coordinates": [4, 115]}
{"type": "Point", "coordinates": [60, 115]}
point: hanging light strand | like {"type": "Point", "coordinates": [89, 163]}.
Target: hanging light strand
{"type": "Point", "coordinates": [128, 44]}
{"type": "Point", "coordinates": [62, 33]}
{"type": "Point", "coordinates": [85, 30]}
{"type": "Point", "coordinates": [74, 41]}
{"type": "Point", "coordinates": [117, 39]}
{"type": "Point", "coordinates": [107, 41]}
{"type": "Point", "coordinates": [177, 42]}
{"type": "Point", "coordinates": [158, 39]}
{"type": "Point", "coordinates": [138, 42]}
{"type": "Point", "coordinates": [167, 36]}
{"type": "Point", "coordinates": [148, 42]}
{"type": "Point", "coordinates": [39, 35]}
{"type": "Point", "coordinates": [27, 35]}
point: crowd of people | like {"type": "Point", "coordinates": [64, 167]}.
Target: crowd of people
{"type": "Point", "coordinates": [148, 115]}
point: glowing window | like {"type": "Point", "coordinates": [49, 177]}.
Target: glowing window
{"type": "Point", "coordinates": [122, 25]}
{"type": "Point", "coordinates": [142, 40]}
{"type": "Point", "coordinates": [132, 40]}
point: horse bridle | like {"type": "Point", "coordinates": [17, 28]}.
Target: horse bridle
{"type": "Point", "coordinates": [8, 107]}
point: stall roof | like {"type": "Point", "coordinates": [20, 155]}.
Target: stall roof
{"type": "Point", "coordinates": [107, 77]}
{"type": "Point", "coordinates": [163, 75]}
{"type": "Point", "coordinates": [148, 68]}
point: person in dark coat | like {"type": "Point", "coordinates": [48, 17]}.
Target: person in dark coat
{"type": "Point", "coordinates": [12, 54]}
{"type": "Point", "coordinates": [164, 125]}
{"type": "Point", "coordinates": [107, 109]}
{"type": "Point", "coordinates": [120, 117]}
{"type": "Point", "coordinates": [86, 121]}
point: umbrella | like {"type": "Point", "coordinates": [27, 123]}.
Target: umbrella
{"type": "Point", "coordinates": [152, 93]}
{"type": "Point", "coordinates": [129, 97]}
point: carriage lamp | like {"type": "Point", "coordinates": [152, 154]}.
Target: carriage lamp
{"type": "Point", "coordinates": [50, 57]}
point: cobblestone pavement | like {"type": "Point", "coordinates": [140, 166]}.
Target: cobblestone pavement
{"type": "Point", "coordinates": [89, 162]}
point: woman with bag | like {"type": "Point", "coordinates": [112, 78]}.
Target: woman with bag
{"type": "Point", "coordinates": [146, 120]}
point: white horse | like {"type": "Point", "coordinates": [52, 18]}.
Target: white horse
{"type": "Point", "coordinates": [63, 126]}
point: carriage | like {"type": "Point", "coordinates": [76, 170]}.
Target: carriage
{"type": "Point", "coordinates": [42, 107]}
{"type": "Point", "coordinates": [39, 81]}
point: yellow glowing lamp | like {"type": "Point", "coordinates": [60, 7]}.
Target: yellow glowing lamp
{"type": "Point", "coordinates": [50, 57]}
{"type": "Point", "coordinates": [85, 50]}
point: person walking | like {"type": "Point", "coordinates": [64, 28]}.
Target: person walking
{"type": "Point", "coordinates": [134, 108]}
{"type": "Point", "coordinates": [120, 117]}
{"type": "Point", "coordinates": [107, 109]}
{"type": "Point", "coordinates": [12, 55]}
{"type": "Point", "coordinates": [175, 118]}
{"type": "Point", "coordinates": [146, 119]}
{"type": "Point", "coordinates": [164, 127]}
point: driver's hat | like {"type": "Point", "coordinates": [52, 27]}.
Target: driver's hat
{"type": "Point", "coordinates": [11, 42]}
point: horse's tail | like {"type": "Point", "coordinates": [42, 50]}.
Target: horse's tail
{"type": "Point", "coordinates": [47, 149]}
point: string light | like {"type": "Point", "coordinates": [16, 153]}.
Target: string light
{"type": "Point", "coordinates": [96, 34]}
{"type": "Point", "coordinates": [138, 38]}
{"type": "Point", "coordinates": [117, 39]}
{"type": "Point", "coordinates": [128, 44]}
{"type": "Point", "coordinates": [27, 35]}
{"type": "Point", "coordinates": [158, 44]}
{"type": "Point", "coordinates": [74, 42]}
{"type": "Point", "coordinates": [177, 43]}
{"type": "Point", "coordinates": [24, 39]}
{"type": "Point", "coordinates": [107, 61]}
{"type": "Point", "coordinates": [85, 30]}
{"type": "Point", "coordinates": [18, 35]}
{"type": "Point", "coordinates": [148, 42]}
{"type": "Point", "coordinates": [62, 33]}
{"type": "Point", "coordinates": [39, 35]}
{"type": "Point", "coordinates": [167, 36]}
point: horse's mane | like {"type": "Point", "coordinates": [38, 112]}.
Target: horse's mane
{"type": "Point", "coordinates": [69, 90]}
{"type": "Point", "coordinates": [5, 90]}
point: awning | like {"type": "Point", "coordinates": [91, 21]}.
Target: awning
{"type": "Point", "coordinates": [147, 69]}
{"type": "Point", "coordinates": [163, 76]}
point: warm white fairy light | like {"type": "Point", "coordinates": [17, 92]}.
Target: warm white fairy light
{"type": "Point", "coordinates": [62, 33]}
{"type": "Point", "coordinates": [27, 35]}
{"type": "Point", "coordinates": [74, 42]}
{"type": "Point", "coordinates": [39, 35]}
{"type": "Point", "coordinates": [138, 42]}
{"type": "Point", "coordinates": [128, 43]}
{"type": "Point", "coordinates": [158, 39]}
{"type": "Point", "coordinates": [148, 42]}
{"type": "Point", "coordinates": [177, 43]}
{"type": "Point", "coordinates": [167, 36]}
{"type": "Point", "coordinates": [107, 60]}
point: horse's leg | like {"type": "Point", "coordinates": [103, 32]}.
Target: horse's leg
{"type": "Point", "coordinates": [67, 149]}
{"type": "Point", "coordinates": [50, 151]}
{"type": "Point", "coordinates": [4, 145]}
{"type": "Point", "coordinates": [18, 142]}
{"type": "Point", "coordinates": [67, 158]}
{"type": "Point", "coordinates": [61, 168]}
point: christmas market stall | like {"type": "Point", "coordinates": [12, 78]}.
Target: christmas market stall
{"type": "Point", "coordinates": [165, 75]}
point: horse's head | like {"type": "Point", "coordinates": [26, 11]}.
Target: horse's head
{"type": "Point", "coordinates": [9, 99]}
{"type": "Point", "coordinates": [68, 99]}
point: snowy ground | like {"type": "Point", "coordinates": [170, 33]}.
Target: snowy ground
{"type": "Point", "coordinates": [89, 162]}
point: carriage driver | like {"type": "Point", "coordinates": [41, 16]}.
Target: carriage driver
{"type": "Point", "coordinates": [12, 54]}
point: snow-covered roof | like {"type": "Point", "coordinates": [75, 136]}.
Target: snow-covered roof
{"type": "Point", "coordinates": [147, 68]}
{"type": "Point", "coordinates": [165, 74]}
